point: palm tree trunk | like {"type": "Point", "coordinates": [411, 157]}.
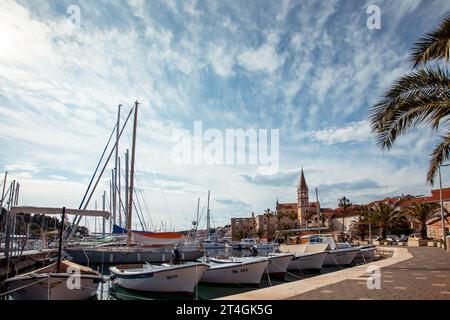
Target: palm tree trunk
{"type": "Point", "coordinates": [423, 231]}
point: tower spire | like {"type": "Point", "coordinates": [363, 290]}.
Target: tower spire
{"type": "Point", "coordinates": [302, 182]}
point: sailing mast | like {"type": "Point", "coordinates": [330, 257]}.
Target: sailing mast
{"type": "Point", "coordinates": [126, 185]}
{"type": "Point", "coordinates": [198, 207]}
{"type": "Point", "coordinates": [133, 156]}
{"type": "Point", "coordinates": [3, 192]}
{"type": "Point", "coordinates": [115, 167]}
{"type": "Point", "coordinates": [208, 218]}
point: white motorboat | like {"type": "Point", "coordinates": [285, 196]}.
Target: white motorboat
{"type": "Point", "coordinates": [247, 272]}
{"type": "Point", "coordinates": [278, 263]}
{"type": "Point", "coordinates": [267, 245]}
{"type": "Point", "coordinates": [308, 261]}
{"type": "Point", "coordinates": [341, 257]}
{"type": "Point", "coordinates": [72, 282]}
{"type": "Point", "coordinates": [341, 254]}
{"type": "Point", "coordinates": [246, 243]}
{"type": "Point", "coordinates": [146, 277]}
{"type": "Point", "coordinates": [213, 244]}
{"type": "Point", "coordinates": [367, 253]}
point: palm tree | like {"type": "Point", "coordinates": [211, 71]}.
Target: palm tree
{"type": "Point", "coordinates": [422, 212]}
{"type": "Point", "coordinates": [344, 203]}
{"type": "Point", "coordinates": [359, 226]}
{"type": "Point", "coordinates": [386, 217]}
{"type": "Point", "coordinates": [268, 214]}
{"type": "Point", "coordinates": [420, 97]}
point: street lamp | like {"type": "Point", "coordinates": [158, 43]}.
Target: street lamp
{"type": "Point", "coordinates": [442, 204]}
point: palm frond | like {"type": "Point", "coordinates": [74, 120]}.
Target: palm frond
{"type": "Point", "coordinates": [440, 154]}
{"type": "Point", "coordinates": [434, 45]}
{"type": "Point", "coordinates": [422, 96]}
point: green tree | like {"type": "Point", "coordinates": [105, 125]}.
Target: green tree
{"type": "Point", "coordinates": [386, 217]}
{"type": "Point", "coordinates": [360, 226]}
{"type": "Point", "coordinates": [422, 212]}
{"type": "Point", "coordinates": [344, 203]}
{"type": "Point", "coordinates": [420, 97]}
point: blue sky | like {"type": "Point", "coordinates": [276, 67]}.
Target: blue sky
{"type": "Point", "coordinates": [309, 68]}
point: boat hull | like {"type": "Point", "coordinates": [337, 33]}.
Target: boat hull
{"type": "Point", "coordinates": [279, 263]}
{"type": "Point", "coordinates": [340, 257]}
{"type": "Point", "coordinates": [174, 279]}
{"type": "Point", "coordinates": [308, 261]}
{"type": "Point", "coordinates": [236, 273]}
{"type": "Point", "coordinates": [53, 287]}
{"type": "Point", "coordinates": [105, 255]}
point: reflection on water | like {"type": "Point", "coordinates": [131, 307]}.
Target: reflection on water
{"type": "Point", "coordinates": [110, 291]}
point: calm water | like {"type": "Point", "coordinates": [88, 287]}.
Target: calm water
{"type": "Point", "coordinates": [109, 291]}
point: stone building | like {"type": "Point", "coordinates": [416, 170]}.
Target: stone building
{"type": "Point", "coordinates": [301, 214]}
{"type": "Point", "coordinates": [243, 228]}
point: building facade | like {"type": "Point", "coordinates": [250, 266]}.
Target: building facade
{"type": "Point", "coordinates": [303, 213]}
{"type": "Point", "coordinates": [243, 228]}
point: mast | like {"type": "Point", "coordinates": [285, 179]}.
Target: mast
{"type": "Point", "coordinates": [110, 207]}
{"type": "Point", "coordinates": [3, 192]}
{"type": "Point", "coordinates": [118, 192]}
{"type": "Point", "coordinates": [113, 195]}
{"type": "Point", "coordinates": [126, 185]}
{"type": "Point", "coordinates": [198, 208]}
{"type": "Point", "coordinates": [208, 217]}
{"type": "Point", "coordinates": [133, 156]}
{"type": "Point", "coordinates": [104, 209]}
{"type": "Point", "coordinates": [115, 167]}
{"type": "Point", "coordinates": [61, 231]}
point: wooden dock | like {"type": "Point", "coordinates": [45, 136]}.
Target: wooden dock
{"type": "Point", "coordinates": [25, 260]}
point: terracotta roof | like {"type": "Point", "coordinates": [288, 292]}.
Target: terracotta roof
{"type": "Point", "coordinates": [286, 206]}
{"type": "Point", "coordinates": [404, 201]}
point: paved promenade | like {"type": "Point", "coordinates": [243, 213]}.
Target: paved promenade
{"type": "Point", "coordinates": [411, 273]}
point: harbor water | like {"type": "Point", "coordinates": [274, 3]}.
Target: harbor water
{"type": "Point", "coordinates": [110, 291]}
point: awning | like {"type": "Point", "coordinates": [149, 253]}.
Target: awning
{"type": "Point", "coordinates": [304, 229]}
{"type": "Point", "coordinates": [48, 211]}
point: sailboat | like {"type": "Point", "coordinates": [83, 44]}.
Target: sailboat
{"type": "Point", "coordinates": [139, 246]}
{"type": "Point", "coordinates": [61, 280]}
{"type": "Point", "coordinates": [211, 242]}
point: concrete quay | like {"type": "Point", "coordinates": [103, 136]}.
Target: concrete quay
{"type": "Point", "coordinates": [412, 273]}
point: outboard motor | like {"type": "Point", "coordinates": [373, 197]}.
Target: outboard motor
{"type": "Point", "coordinates": [176, 255]}
{"type": "Point", "coordinates": [253, 251]}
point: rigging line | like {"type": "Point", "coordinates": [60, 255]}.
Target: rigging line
{"type": "Point", "coordinates": [145, 203]}
{"type": "Point", "coordinates": [144, 226]}
{"type": "Point", "coordinates": [98, 165]}
{"type": "Point", "coordinates": [157, 169]}
{"type": "Point", "coordinates": [137, 182]}
{"type": "Point", "coordinates": [92, 178]}
{"type": "Point", "coordinates": [98, 179]}
{"type": "Point", "coordinates": [137, 212]}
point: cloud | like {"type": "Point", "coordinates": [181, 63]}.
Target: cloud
{"type": "Point", "coordinates": [264, 58]}
{"type": "Point", "coordinates": [352, 132]}
{"type": "Point", "coordinates": [282, 178]}
{"type": "Point", "coordinates": [311, 69]}
{"type": "Point", "coordinates": [359, 184]}
{"type": "Point", "coordinates": [233, 203]}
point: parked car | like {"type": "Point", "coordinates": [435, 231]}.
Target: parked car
{"type": "Point", "coordinates": [403, 238]}
{"type": "Point", "coordinates": [375, 238]}
{"type": "Point", "coordinates": [392, 238]}
{"type": "Point", "coordinates": [415, 236]}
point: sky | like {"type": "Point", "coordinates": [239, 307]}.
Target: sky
{"type": "Point", "coordinates": [311, 69]}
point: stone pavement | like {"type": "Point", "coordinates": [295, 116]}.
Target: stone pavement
{"type": "Point", "coordinates": [412, 273]}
